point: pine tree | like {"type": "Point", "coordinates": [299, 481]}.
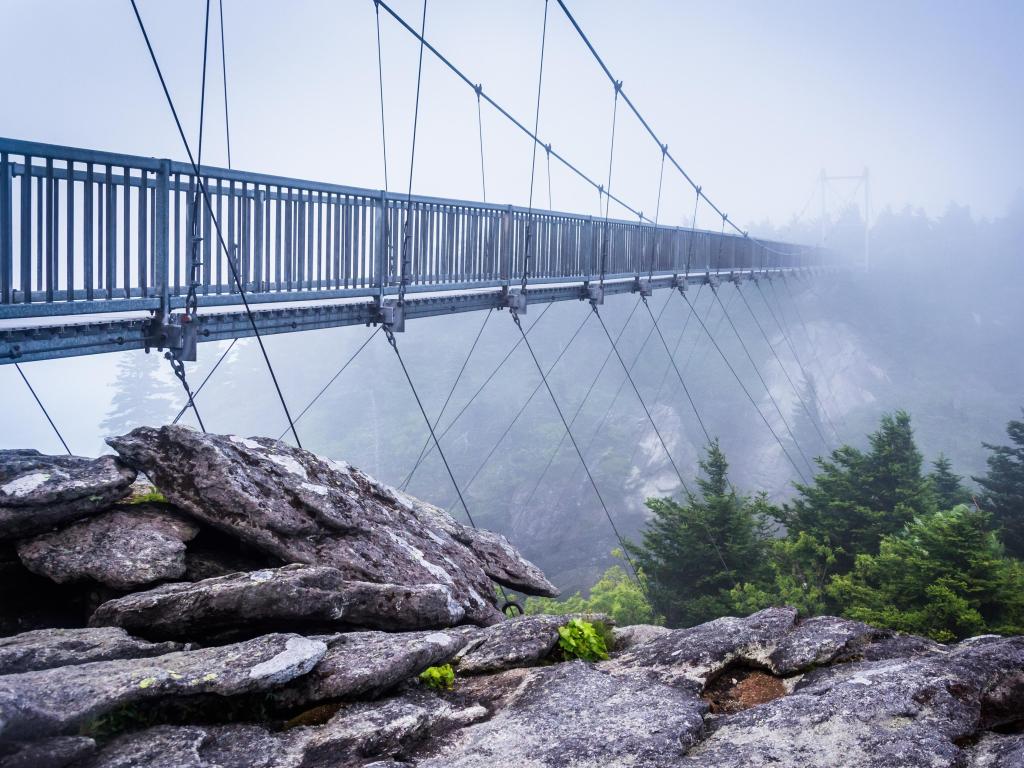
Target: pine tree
{"type": "Point", "coordinates": [859, 497]}
{"type": "Point", "coordinates": [944, 575]}
{"type": "Point", "coordinates": [946, 485]}
{"type": "Point", "coordinates": [1003, 488]}
{"type": "Point", "coordinates": [141, 396]}
{"type": "Point", "coordinates": [693, 553]}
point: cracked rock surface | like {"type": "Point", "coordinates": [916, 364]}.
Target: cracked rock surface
{"type": "Point", "coordinates": [124, 547]}
{"type": "Point", "coordinates": [47, 648]}
{"type": "Point", "coordinates": [292, 596]}
{"type": "Point", "coordinates": [38, 492]}
{"type": "Point", "coordinates": [306, 509]}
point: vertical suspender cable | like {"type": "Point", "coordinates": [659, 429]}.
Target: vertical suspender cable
{"type": "Point", "coordinates": [480, 127]}
{"type": "Point", "coordinates": [533, 153]}
{"type": "Point", "coordinates": [406, 234]}
{"type": "Point", "coordinates": [216, 223]}
{"type": "Point", "coordinates": [608, 189]}
{"type": "Point", "coordinates": [380, 80]}
{"type": "Point", "coordinates": [224, 72]}
{"type": "Point", "coordinates": [657, 212]}
{"type": "Point", "coordinates": [42, 408]}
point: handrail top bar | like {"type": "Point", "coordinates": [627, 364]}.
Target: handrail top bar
{"type": "Point", "coordinates": [79, 155]}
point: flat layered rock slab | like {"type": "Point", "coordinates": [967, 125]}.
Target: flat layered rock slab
{"type": "Point", "coordinates": [896, 713]}
{"type": "Point", "coordinates": [48, 648]}
{"type": "Point", "coordinates": [366, 664]}
{"type": "Point", "coordinates": [58, 701]}
{"type": "Point", "coordinates": [359, 734]}
{"type": "Point", "coordinates": [573, 714]}
{"type": "Point", "coordinates": [996, 750]}
{"type": "Point", "coordinates": [307, 509]}
{"type": "Point", "coordinates": [309, 596]}
{"type": "Point", "coordinates": [124, 548]}
{"type": "Point", "coordinates": [38, 492]}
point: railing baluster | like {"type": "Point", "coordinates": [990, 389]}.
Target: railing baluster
{"type": "Point", "coordinates": [6, 231]}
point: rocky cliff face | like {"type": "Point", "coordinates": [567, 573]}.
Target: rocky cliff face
{"type": "Point", "coordinates": [277, 609]}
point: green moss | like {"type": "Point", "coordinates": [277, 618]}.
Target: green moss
{"type": "Point", "coordinates": [439, 678]}
{"type": "Point", "coordinates": [151, 497]}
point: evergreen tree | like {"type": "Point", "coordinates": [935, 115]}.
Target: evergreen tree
{"type": "Point", "coordinates": [859, 497]}
{"type": "Point", "coordinates": [693, 553]}
{"type": "Point", "coordinates": [141, 394]}
{"type": "Point", "coordinates": [801, 569]}
{"type": "Point", "coordinates": [946, 485]}
{"type": "Point", "coordinates": [1003, 488]}
{"type": "Point", "coordinates": [944, 575]}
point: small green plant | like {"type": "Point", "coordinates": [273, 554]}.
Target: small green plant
{"type": "Point", "coordinates": [151, 497]}
{"type": "Point", "coordinates": [579, 639]}
{"type": "Point", "coordinates": [439, 678]}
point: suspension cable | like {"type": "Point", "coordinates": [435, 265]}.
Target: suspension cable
{"type": "Point", "coordinates": [650, 130]}
{"type": "Point", "coordinates": [330, 381]}
{"type": "Point", "coordinates": [451, 475]}
{"type": "Point", "coordinates": [406, 233]}
{"type": "Point", "coordinates": [380, 79]}
{"type": "Point", "coordinates": [593, 483]}
{"type": "Point", "coordinates": [216, 223]}
{"type": "Point", "coordinates": [480, 127]}
{"type": "Point", "coordinates": [533, 152]}
{"type": "Point", "coordinates": [224, 72]}
{"type": "Point", "coordinates": [814, 351]}
{"type": "Point", "coordinates": [792, 349]}
{"type": "Point", "coordinates": [522, 409]}
{"type": "Point", "coordinates": [608, 189]}
{"type": "Point", "coordinates": [500, 109]}
{"type": "Point", "coordinates": [743, 386]}
{"type": "Point", "coordinates": [451, 391]}
{"type": "Point", "coordinates": [657, 213]}
{"type": "Point", "coordinates": [579, 408]}
{"type": "Point", "coordinates": [472, 399]}
{"type": "Point", "coordinates": [764, 383]}
{"type": "Point", "coordinates": [213, 370]}
{"type": "Point", "coordinates": [789, 378]}
{"type": "Point", "coordinates": [672, 361]}
{"type": "Point", "coordinates": [43, 409]}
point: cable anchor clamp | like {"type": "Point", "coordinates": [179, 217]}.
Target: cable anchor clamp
{"type": "Point", "coordinates": [391, 315]}
{"type": "Point", "coordinates": [178, 335]}
{"type": "Point", "coordinates": [642, 286]}
{"type": "Point", "coordinates": [516, 302]}
{"type": "Point", "coordinates": [594, 294]}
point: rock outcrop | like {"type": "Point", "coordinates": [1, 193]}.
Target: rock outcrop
{"type": "Point", "coordinates": [56, 701]}
{"type": "Point", "coordinates": [124, 548]}
{"type": "Point", "coordinates": [38, 492]}
{"type": "Point", "coordinates": [306, 509]}
{"type": "Point", "coordinates": [295, 596]}
{"type": "Point", "coordinates": [278, 613]}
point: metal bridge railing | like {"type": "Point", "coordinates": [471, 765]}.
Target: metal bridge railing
{"type": "Point", "coordinates": [84, 231]}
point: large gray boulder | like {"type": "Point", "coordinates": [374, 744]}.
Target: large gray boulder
{"type": "Point", "coordinates": [896, 713]}
{"type": "Point", "coordinates": [124, 547]}
{"type": "Point", "coordinates": [38, 492]}
{"type": "Point", "coordinates": [293, 596]}
{"type": "Point", "coordinates": [307, 509]}
{"type": "Point", "coordinates": [367, 664]}
{"type": "Point", "coordinates": [996, 750]}
{"type": "Point", "coordinates": [57, 701]}
{"type": "Point", "coordinates": [572, 714]}
{"type": "Point", "coordinates": [46, 648]}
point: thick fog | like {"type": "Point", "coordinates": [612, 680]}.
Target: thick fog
{"type": "Point", "coordinates": [754, 100]}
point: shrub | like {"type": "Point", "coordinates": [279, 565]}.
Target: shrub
{"type": "Point", "coordinates": [580, 639]}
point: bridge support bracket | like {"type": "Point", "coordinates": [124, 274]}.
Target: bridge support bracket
{"type": "Point", "coordinates": [679, 282]}
{"type": "Point", "coordinates": [178, 335]}
{"type": "Point", "coordinates": [516, 302]}
{"type": "Point", "coordinates": [594, 293]}
{"type": "Point", "coordinates": [392, 316]}
{"type": "Point", "coordinates": [643, 287]}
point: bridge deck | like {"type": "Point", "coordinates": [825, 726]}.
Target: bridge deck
{"type": "Point", "coordinates": [92, 243]}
